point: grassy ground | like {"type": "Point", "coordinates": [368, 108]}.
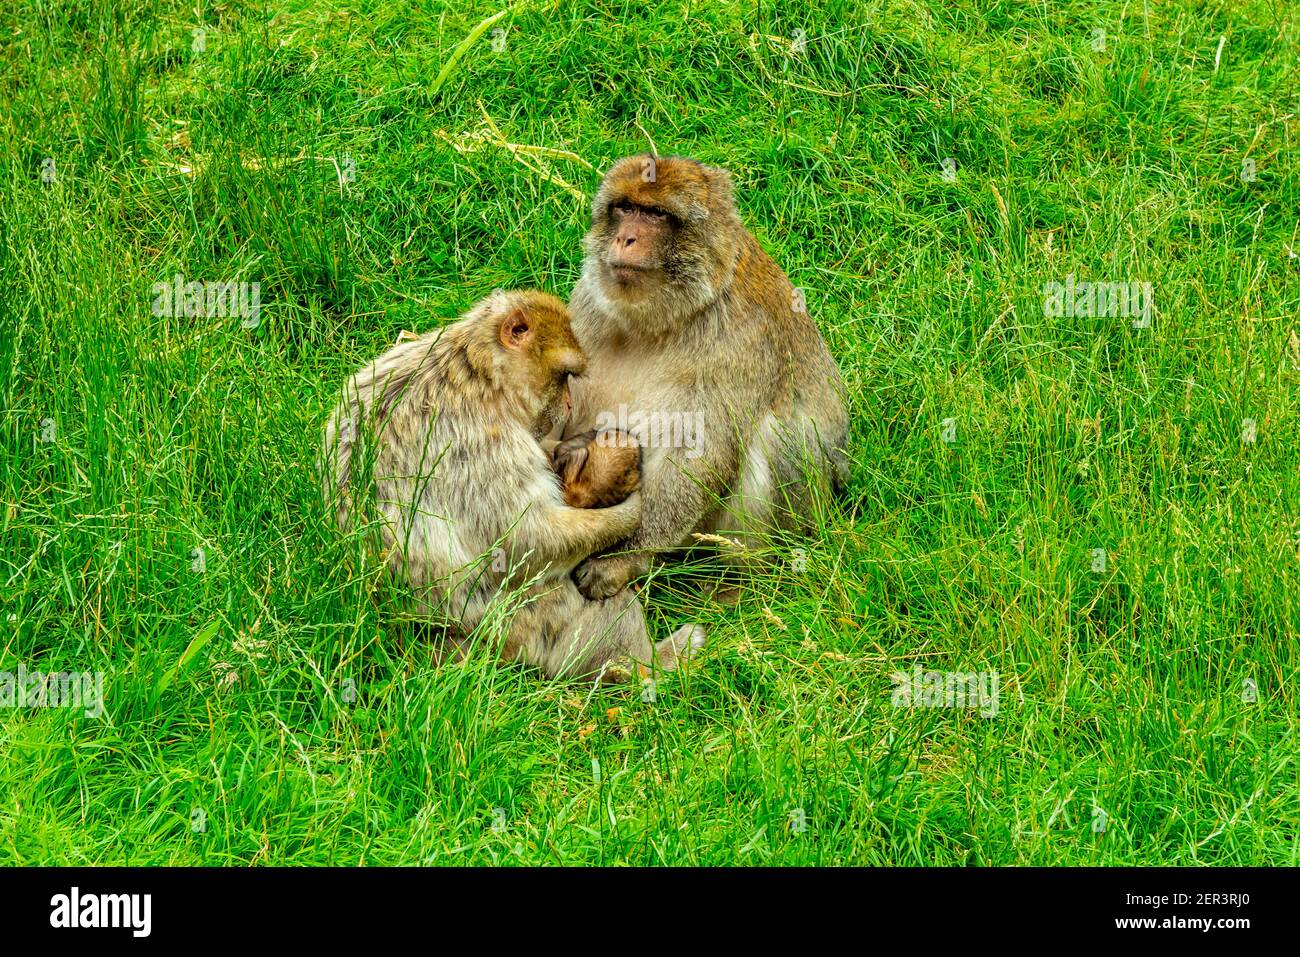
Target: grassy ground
{"type": "Point", "coordinates": [1125, 730]}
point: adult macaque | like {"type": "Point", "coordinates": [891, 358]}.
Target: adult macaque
{"type": "Point", "coordinates": [685, 320]}
{"type": "Point", "coordinates": [438, 439]}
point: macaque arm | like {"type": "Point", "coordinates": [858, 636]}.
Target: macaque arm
{"type": "Point", "coordinates": [680, 492]}
{"type": "Point", "coordinates": [677, 494]}
{"type": "Point", "coordinates": [565, 536]}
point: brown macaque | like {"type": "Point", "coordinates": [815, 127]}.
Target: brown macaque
{"type": "Point", "coordinates": [436, 445]}
{"type": "Point", "coordinates": [699, 346]}
{"type": "Point", "coordinates": [598, 469]}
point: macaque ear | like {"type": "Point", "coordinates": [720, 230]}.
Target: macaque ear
{"type": "Point", "coordinates": [516, 330]}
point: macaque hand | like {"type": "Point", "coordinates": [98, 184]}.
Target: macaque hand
{"type": "Point", "coordinates": [604, 576]}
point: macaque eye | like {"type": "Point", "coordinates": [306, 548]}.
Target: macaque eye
{"type": "Point", "coordinates": [655, 213]}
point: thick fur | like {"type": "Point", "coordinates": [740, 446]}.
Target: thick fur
{"type": "Point", "coordinates": [712, 329]}
{"type": "Point", "coordinates": [598, 469]}
{"type": "Point", "coordinates": [435, 446]}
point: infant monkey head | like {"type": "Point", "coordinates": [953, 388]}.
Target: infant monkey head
{"type": "Point", "coordinates": [598, 469]}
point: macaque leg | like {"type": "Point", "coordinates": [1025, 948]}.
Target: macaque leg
{"type": "Point", "coordinates": [566, 635]}
{"type": "Point", "coordinates": [781, 474]}
{"type": "Point", "coordinates": [749, 510]}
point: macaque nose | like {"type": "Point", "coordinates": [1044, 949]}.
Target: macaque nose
{"type": "Point", "coordinates": [627, 250]}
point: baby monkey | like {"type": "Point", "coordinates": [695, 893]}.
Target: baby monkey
{"type": "Point", "coordinates": [598, 469]}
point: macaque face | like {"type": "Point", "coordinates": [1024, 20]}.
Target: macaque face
{"type": "Point", "coordinates": [558, 405]}
{"type": "Point", "coordinates": [663, 239]}
{"type": "Point", "coordinates": [640, 238]}
{"type": "Point", "coordinates": [562, 364]}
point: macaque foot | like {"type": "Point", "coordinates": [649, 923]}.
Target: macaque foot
{"type": "Point", "coordinates": [680, 646]}
{"type": "Point", "coordinates": [605, 576]}
{"type": "Point", "coordinates": [728, 595]}
{"type": "Point", "coordinates": [614, 674]}
{"type": "Point", "coordinates": [669, 655]}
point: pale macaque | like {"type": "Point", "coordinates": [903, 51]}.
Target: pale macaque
{"type": "Point", "coordinates": [436, 445]}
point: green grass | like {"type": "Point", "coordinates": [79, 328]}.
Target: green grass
{"type": "Point", "coordinates": [227, 691]}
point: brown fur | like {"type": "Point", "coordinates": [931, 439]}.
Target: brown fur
{"type": "Point", "coordinates": [688, 315]}
{"type": "Point", "coordinates": [598, 470]}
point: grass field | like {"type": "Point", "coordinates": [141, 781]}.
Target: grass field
{"type": "Point", "coordinates": [1098, 511]}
